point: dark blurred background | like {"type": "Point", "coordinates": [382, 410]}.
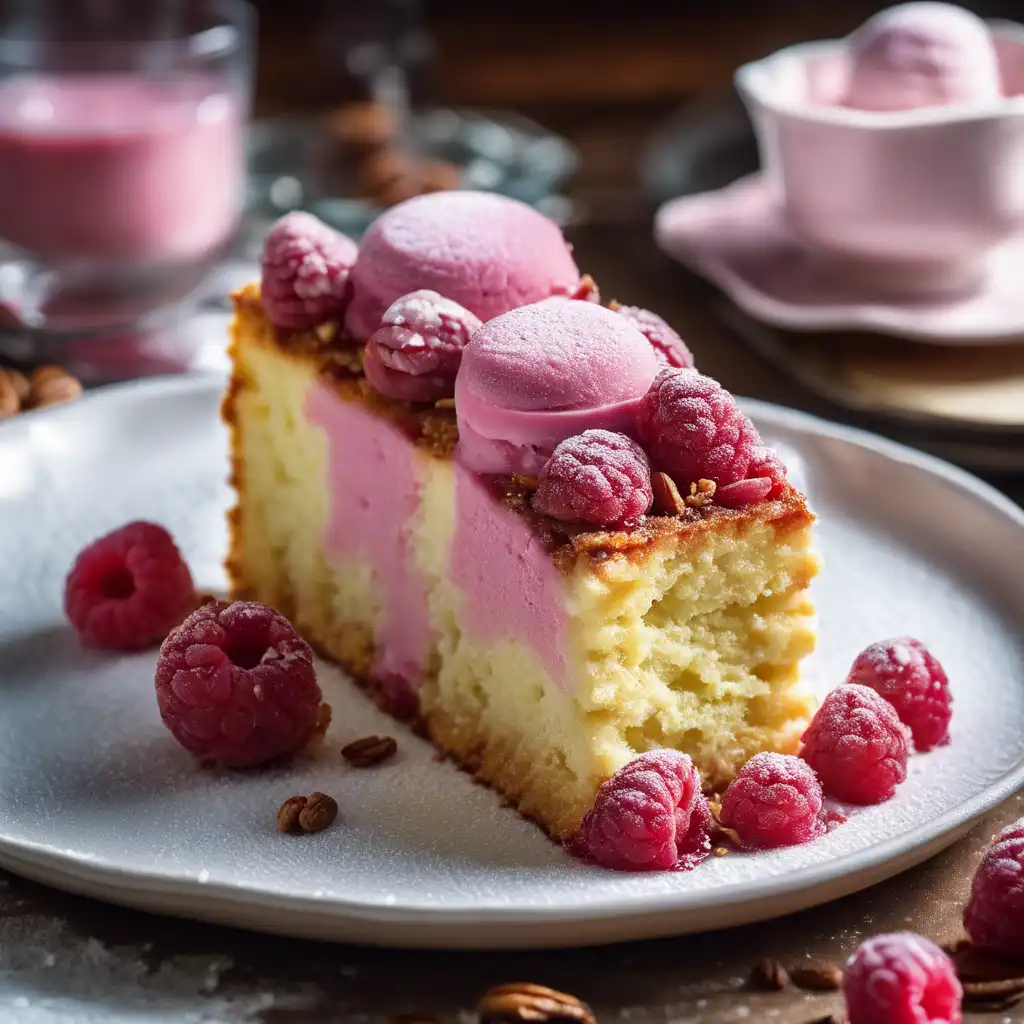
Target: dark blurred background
{"type": "Point", "coordinates": [543, 53]}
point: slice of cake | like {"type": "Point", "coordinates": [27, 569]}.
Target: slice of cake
{"type": "Point", "coordinates": [471, 525]}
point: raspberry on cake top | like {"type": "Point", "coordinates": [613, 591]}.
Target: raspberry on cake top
{"type": "Point", "coordinates": [447, 486]}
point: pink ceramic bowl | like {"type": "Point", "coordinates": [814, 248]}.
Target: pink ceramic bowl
{"type": "Point", "coordinates": [910, 201]}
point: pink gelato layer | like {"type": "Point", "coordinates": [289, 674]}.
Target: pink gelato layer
{"type": "Point", "coordinates": [510, 586]}
{"type": "Point", "coordinates": [541, 373]}
{"type": "Point", "coordinates": [484, 251]}
{"type": "Point", "coordinates": [374, 488]}
{"type": "Point", "coordinates": [922, 55]}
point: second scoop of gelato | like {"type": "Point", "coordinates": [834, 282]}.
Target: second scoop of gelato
{"type": "Point", "coordinates": [920, 55]}
{"type": "Point", "coordinates": [541, 373]}
{"type": "Point", "coordinates": [484, 251]}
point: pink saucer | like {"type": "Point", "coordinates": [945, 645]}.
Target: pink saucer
{"type": "Point", "coordinates": [736, 238]}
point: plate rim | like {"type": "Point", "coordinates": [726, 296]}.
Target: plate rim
{"type": "Point", "coordinates": [656, 907]}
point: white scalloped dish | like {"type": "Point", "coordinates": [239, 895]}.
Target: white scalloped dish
{"type": "Point", "coordinates": [97, 798]}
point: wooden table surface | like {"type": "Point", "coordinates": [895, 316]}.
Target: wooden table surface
{"type": "Point", "coordinates": [65, 959]}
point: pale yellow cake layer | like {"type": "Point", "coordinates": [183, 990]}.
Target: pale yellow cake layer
{"type": "Point", "coordinates": [695, 644]}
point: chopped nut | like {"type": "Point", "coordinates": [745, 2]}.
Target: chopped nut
{"type": "Point", "coordinates": [770, 974]}
{"type": "Point", "coordinates": [445, 403]}
{"type": "Point", "coordinates": [587, 290]}
{"type": "Point", "coordinates": [319, 812]}
{"type": "Point", "coordinates": [522, 1001]}
{"type": "Point", "coordinates": [527, 483]}
{"type": "Point", "coordinates": [10, 403]}
{"type": "Point", "coordinates": [817, 977]}
{"type": "Point", "coordinates": [368, 751]}
{"type": "Point", "coordinates": [701, 493]}
{"type": "Point", "coordinates": [721, 851]}
{"type": "Point", "coordinates": [327, 332]}
{"type": "Point", "coordinates": [52, 385]}
{"type": "Point", "coordinates": [1001, 993]}
{"type": "Point", "coordinates": [288, 814]}
{"type": "Point", "coordinates": [988, 980]}
{"type": "Point", "coordinates": [667, 499]}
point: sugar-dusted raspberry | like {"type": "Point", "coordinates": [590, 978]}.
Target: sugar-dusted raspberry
{"type": "Point", "coordinates": [765, 462]}
{"type": "Point", "coordinates": [901, 979]}
{"type": "Point", "coordinates": [235, 684]}
{"type": "Point", "coordinates": [911, 679]}
{"type": "Point", "coordinates": [857, 745]}
{"type": "Point", "coordinates": [649, 816]}
{"type": "Point", "coordinates": [775, 800]}
{"type": "Point", "coordinates": [305, 266]}
{"type": "Point", "coordinates": [994, 917]}
{"type": "Point", "coordinates": [668, 346]}
{"type": "Point", "coordinates": [415, 353]}
{"type": "Point", "coordinates": [744, 492]}
{"type": "Point", "coordinates": [128, 589]}
{"type": "Point", "coordinates": [693, 429]}
{"type": "Point", "coordinates": [599, 478]}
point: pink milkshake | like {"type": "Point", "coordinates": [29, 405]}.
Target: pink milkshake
{"type": "Point", "coordinates": [120, 169]}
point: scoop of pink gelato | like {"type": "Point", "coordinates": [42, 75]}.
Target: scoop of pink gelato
{"type": "Point", "coordinates": [484, 251]}
{"type": "Point", "coordinates": [922, 55]}
{"type": "Point", "coordinates": [544, 372]}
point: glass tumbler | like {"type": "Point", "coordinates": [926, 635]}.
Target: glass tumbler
{"type": "Point", "coordinates": [122, 156]}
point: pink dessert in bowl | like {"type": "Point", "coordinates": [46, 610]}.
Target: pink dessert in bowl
{"type": "Point", "coordinates": [893, 154]}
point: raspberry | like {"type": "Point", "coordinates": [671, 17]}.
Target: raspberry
{"type": "Point", "coordinates": [305, 267]}
{"type": "Point", "coordinates": [236, 685]}
{"type": "Point", "coordinates": [744, 492]}
{"type": "Point", "coordinates": [994, 917]}
{"type": "Point", "coordinates": [598, 478]}
{"type": "Point", "coordinates": [649, 816]}
{"type": "Point", "coordinates": [901, 979]}
{"type": "Point", "coordinates": [670, 349]}
{"type": "Point", "coordinates": [766, 462]}
{"type": "Point", "coordinates": [910, 678]}
{"type": "Point", "coordinates": [415, 353]}
{"type": "Point", "coordinates": [775, 800]}
{"type": "Point", "coordinates": [694, 430]}
{"type": "Point", "coordinates": [128, 589]}
{"type": "Point", "coordinates": [857, 745]}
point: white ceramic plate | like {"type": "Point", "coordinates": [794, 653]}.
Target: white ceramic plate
{"type": "Point", "coordinates": [95, 796]}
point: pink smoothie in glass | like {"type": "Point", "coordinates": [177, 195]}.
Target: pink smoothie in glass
{"type": "Point", "coordinates": [120, 168]}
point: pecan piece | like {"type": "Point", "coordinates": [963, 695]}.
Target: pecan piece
{"type": "Point", "coordinates": [368, 751]}
{"type": "Point", "coordinates": [770, 974]}
{"type": "Point", "coordinates": [817, 977]}
{"type": "Point", "coordinates": [701, 493]}
{"type": "Point", "coordinates": [522, 1001]}
{"type": "Point", "coordinates": [52, 385]}
{"type": "Point", "coordinates": [667, 499]}
{"type": "Point", "coordinates": [319, 812]}
{"type": "Point", "coordinates": [10, 403]}
{"type": "Point", "coordinates": [288, 814]}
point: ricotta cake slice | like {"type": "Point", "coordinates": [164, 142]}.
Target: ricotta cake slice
{"type": "Point", "coordinates": [405, 539]}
